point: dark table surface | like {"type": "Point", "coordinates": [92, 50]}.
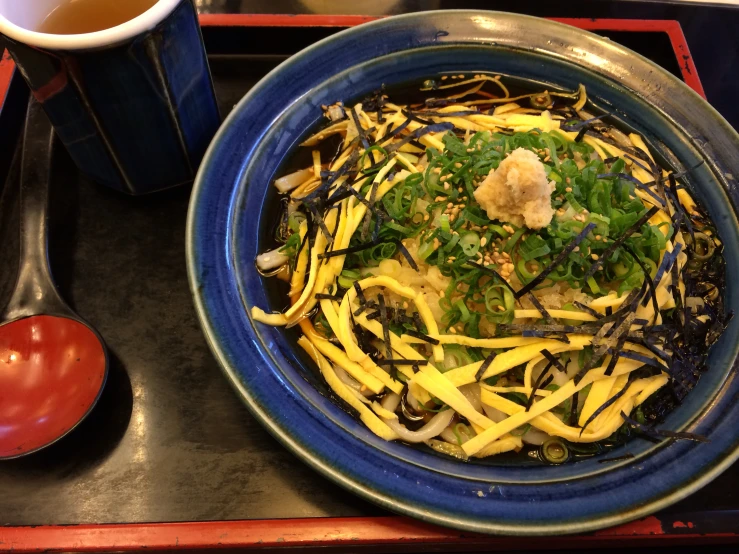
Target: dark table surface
{"type": "Point", "coordinates": [169, 440]}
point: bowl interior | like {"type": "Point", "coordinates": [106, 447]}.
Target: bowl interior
{"type": "Point", "coordinates": [255, 196]}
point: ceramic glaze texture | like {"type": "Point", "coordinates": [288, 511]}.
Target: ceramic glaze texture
{"type": "Point", "coordinates": [136, 116]}
{"type": "Point", "coordinates": [278, 382]}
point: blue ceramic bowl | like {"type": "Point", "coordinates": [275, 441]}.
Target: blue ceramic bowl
{"type": "Point", "coordinates": [231, 213]}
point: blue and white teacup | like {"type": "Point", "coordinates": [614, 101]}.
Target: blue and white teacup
{"type": "Point", "coordinates": [133, 104]}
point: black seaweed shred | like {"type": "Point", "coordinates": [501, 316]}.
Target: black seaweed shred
{"type": "Point", "coordinates": [619, 241]}
{"type": "Point", "coordinates": [554, 335]}
{"type": "Point", "coordinates": [321, 193]}
{"type": "Point", "coordinates": [370, 209]}
{"type": "Point", "coordinates": [572, 419]}
{"type": "Point", "coordinates": [413, 116]}
{"type": "Point", "coordinates": [435, 128]}
{"type": "Point", "coordinates": [360, 131]}
{"type": "Point", "coordinates": [679, 208]}
{"type": "Point", "coordinates": [407, 255]}
{"type": "Point", "coordinates": [539, 383]}
{"type": "Point", "coordinates": [615, 355]}
{"type": "Point", "coordinates": [588, 309]}
{"type": "Point", "coordinates": [536, 281]}
{"type": "Point", "coordinates": [393, 132]}
{"type": "Point", "coordinates": [360, 293]}
{"type": "Point", "coordinates": [667, 260]}
{"type": "Point", "coordinates": [581, 134]}
{"type": "Point", "coordinates": [423, 337]}
{"type": "Point", "coordinates": [608, 403]}
{"type": "Point", "coordinates": [318, 218]}
{"type": "Point", "coordinates": [601, 346]}
{"type": "Point", "coordinates": [543, 328]}
{"type": "Point", "coordinates": [553, 360]}
{"type": "Point", "coordinates": [385, 331]}
{"type": "Point", "coordinates": [637, 357]}
{"type": "Point", "coordinates": [485, 365]}
{"type": "Point", "coordinates": [545, 314]}
{"type": "Point", "coordinates": [402, 361]}
{"type": "Point", "coordinates": [350, 250]}
{"type": "Point", "coordinates": [647, 279]}
{"type": "Point", "coordinates": [663, 433]}
{"type": "Point", "coordinates": [446, 114]}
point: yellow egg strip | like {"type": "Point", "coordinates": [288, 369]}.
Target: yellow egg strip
{"type": "Point", "coordinates": [503, 444]}
{"type": "Point", "coordinates": [544, 405]}
{"type": "Point", "coordinates": [368, 417]}
{"type": "Point", "coordinates": [336, 355]}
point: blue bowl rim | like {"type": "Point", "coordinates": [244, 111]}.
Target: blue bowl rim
{"type": "Point", "coordinates": [304, 453]}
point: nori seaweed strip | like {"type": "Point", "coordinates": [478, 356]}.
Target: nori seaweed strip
{"type": "Point", "coordinates": [536, 281]}
{"type": "Point", "coordinates": [600, 350]}
{"type": "Point", "coordinates": [611, 160]}
{"type": "Point", "coordinates": [627, 456]}
{"type": "Point", "coordinates": [609, 311]}
{"type": "Point", "coordinates": [680, 208]}
{"type": "Point", "coordinates": [419, 335]}
{"type": "Point", "coordinates": [435, 128]}
{"type": "Point", "coordinates": [447, 114]}
{"type": "Point", "coordinates": [663, 433]}
{"type": "Point", "coordinates": [360, 132]}
{"type": "Point", "coordinates": [634, 180]}
{"type": "Point", "coordinates": [410, 115]}
{"type": "Point", "coordinates": [385, 331]}
{"type": "Point", "coordinates": [646, 360]}
{"type": "Point", "coordinates": [371, 168]}
{"type": "Point", "coordinates": [648, 280]}
{"type": "Point", "coordinates": [588, 309]}
{"type": "Point", "coordinates": [554, 335]}
{"type": "Point", "coordinates": [553, 360]}
{"type": "Point", "coordinates": [370, 210]}
{"type": "Point", "coordinates": [572, 419]}
{"type": "Point", "coordinates": [417, 320]}
{"type": "Point", "coordinates": [485, 365]}
{"type": "Point", "coordinates": [360, 296]}
{"type": "Point", "coordinates": [583, 124]}
{"type": "Point", "coordinates": [615, 355]}
{"type": "Point", "coordinates": [675, 287]}
{"type": "Point", "coordinates": [407, 255]}
{"type": "Point", "coordinates": [318, 218]}
{"type": "Point", "coordinates": [350, 250]}
{"type": "Point", "coordinates": [493, 273]}
{"type": "Point", "coordinates": [390, 134]}
{"type": "Point", "coordinates": [581, 134]}
{"type": "Point", "coordinates": [654, 350]}
{"type": "Point", "coordinates": [402, 361]}
{"type": "Point", "coordinates": [619, 241]}
{"type": "Point", "coordinates": [607, 404]}
{"type": "Point", "coordinates": [667, 260]}
{"type": "Point", "coordinates": [322, 190]}
{"type": "Point", "coordinates": [553, 328]}
{"type": "Point", "coordinates": [539, 384]}
{"type": "Point", "coordinates": [347, 190]}
{"type": "Point", "coordinates": [535, 301]}
{"type": "Point", "coordinates": [323, 296]}
{"type": "Point", "coordinates": [376, 231]}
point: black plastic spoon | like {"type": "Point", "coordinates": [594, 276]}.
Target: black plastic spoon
{"type": "Point", "coordinates": [53, 365]}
